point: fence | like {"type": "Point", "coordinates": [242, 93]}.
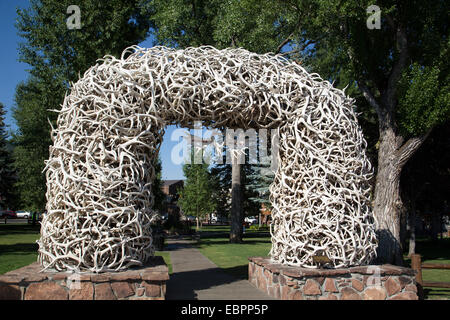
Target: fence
{"type": "Point", "coordinates": [416, 264]}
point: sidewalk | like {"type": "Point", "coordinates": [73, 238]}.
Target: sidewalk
{"type": "Point", "coordinates": [195, 277]}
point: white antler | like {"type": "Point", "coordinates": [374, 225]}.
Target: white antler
{"type": "Point", "coordinates": [110, 129]}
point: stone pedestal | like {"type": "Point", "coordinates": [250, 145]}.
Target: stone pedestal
{"type": "Point", "coordinates": [144, 283]}
{"type": "Point", "coordinates": [373, 282]}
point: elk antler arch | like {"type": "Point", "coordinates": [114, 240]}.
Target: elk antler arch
{"type": "Point", "coordinates": [110, 128]}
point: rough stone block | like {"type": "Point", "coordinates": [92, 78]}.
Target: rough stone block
{"type": "Point", "coordinates": [311, 287]}
{"type": "Point", "coordinates": [140, 292]}
{"type": "Point", "coordinates": [411, 287]}
{"type": "Point", "coordinates": [152, 289]}
{"type": "Point", "coordinates": [407, 295]}
{"type": "Point", "coordinates": [45, 291]}
{"type": "Point", "coordinates": [285, 291]}
{"type": "Point", "coordinates": [404, 281]}
{"type": "Point", "coordinates": [357, 285]}
{"type": "Point", "coordinates": [103, 291]}
{"type": "Point", "coordinates": [348, 293]}
{"type": "Point", "coordinates": [392, 286]}
{"type": "Point", "coordinates": [375, 293]}
{"type": "Point", "coordinates": [330, 286]}
{"type": "Point", "coordinates": [295, 295]}
{"type": "Point", "coordinates": [122, 289]}
{"type": "Point", "coordinates": [84, 292]}
{"type": "Point", "coordinates": [10, 292]}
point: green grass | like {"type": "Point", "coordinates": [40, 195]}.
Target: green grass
{"type": "Point", "coordinates": [18, 247]}
{"type": "Point", "coordinates": [166, 257]}
{"type": "Point", "coordinates": [232, 258]}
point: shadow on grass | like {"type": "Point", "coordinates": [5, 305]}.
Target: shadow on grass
{"type": "Point", "coordinates": [436, 293]}
{"type": "Point", "coordinates": [19, 248]}
{"type": "Point", "coordinates": [205, 242]}
{"type": "Point", "coordinates": [225, 234]}
{"type": "Point", "coordinates": [434, 250]}
{"type": "Point", "coordinates": [10, 229]}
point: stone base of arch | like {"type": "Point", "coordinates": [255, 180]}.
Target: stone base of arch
{"type": "Point", "coordinates": [30, 283]}
{"type": "Point", "coordinates": [371, 282]}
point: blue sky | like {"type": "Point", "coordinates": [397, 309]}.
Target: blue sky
{"type": "Point", "coordinates": [13, 72]}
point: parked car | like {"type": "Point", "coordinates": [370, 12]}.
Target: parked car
{"type": "Point", "coordinates": [7, 214]}
{"type": "Point", "coordinates": [251, 220]}
{"type": "Point", "coordinates": [23, 214]}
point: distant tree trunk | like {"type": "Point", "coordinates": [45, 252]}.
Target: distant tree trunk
{"type": "Point", "coordinates": [412, 230]}
{"type": "Point", "coordinates": [435, 224]}
{"type": "Point", "coordinates": [236, 203]}
{"type": "Point", "coordinates": [403, 227]}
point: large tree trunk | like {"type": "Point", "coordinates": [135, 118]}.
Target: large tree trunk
{"type": "Point", "coordinates": [388, 206]}
{"type": "Point", "coordinates": [393, 153]}
{"type": "Point", "coordinates": [236, 203]}
{"type": "Point", "coordinates": [387, 202]}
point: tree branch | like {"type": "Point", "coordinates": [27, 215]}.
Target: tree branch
{"type": "Point", "coordinates": [299, 49]}
{"type": "Point", "coordinates": [285, 41]}
{"type": "Point", "coordinates": [397, 69]}
{"type": "Point", "coordinates": [409, 147]}
{"type": "Point", "coordinates": [369, 97]}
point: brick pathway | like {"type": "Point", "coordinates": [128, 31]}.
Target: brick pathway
{"type": "Point", "coordinates": [195, 277]}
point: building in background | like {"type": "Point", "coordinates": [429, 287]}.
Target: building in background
{"type": "Point", "coordinates": [170, 188]}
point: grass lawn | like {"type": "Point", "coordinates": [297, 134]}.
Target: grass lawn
{"type": "Point", "coordinates": [18, 247]}
{"type": "Point", "coordinates": [166, 257]}
{"type": "Point", "coordinates": [232, 258]}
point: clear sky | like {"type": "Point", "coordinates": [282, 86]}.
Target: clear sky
{"type": "Point", "coordinates": [12, 72]}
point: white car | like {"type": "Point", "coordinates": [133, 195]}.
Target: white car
{"type": "Point", "coordinates": [23, 214]}
{"type": "Point", "coordinates": [251, 220]}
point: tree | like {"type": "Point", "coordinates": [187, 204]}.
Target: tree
{"type": "Point", "coordinates": [7, 174]}
{"type": "Point", "coordinates": [32, 141]}
{"type": "Point", "coordinates": [400, 69]}
{"type": "Point", "coordinates": [196, 197]}
{"type": "Point", "coordinates": [427, 177]}
{"type": "Point", "coordinates": [158, 194]}
{"type": "Point", "coordinates": [57, 56]}
{"type": "Point", "coordinates": [260, 183]}
{"type": "Point", "coordinates": [231, 180]}
{"type": "Point", "coordinates": [221, 186]}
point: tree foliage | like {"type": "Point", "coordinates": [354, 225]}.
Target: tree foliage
{"type": "Point", "coordinates": [258, 26]}
{"type": "Point", "coordinates": [221, 185]}
{"type": "Point", "coordinates": [397, 73]}
{"type": "Point", "coordinates": [158, 194]}
{"type": "Point", "coordinates": [7, 173]}
{"type": "Point", "coordinates": [196, 197]}
{"type": "Point", "coordinates": [57, 56]}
